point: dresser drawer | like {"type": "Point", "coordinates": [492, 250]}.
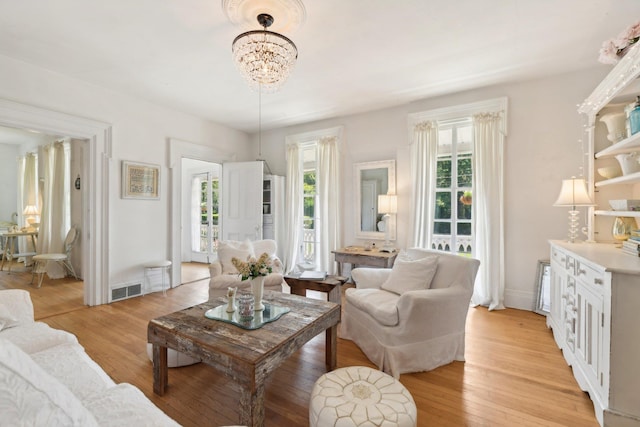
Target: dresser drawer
{"type": "Point", "coordinates": [567, 262]}
{"type": "Point", "coordinates": [559, 257]}
{"type": "Point", "coordinates": [588, 274]}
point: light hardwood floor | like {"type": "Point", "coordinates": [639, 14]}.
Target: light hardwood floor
{"type": "Point", "coordinates": [514, 374]}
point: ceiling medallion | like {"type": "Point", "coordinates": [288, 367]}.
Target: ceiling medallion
{"type": "Point", "coordinates": [264, 58]}
{"type": "Point", "coordinates": [291, 13]}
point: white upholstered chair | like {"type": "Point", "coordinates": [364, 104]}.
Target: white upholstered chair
{"type": "Point", "coordinates": [411, 318]}
{"type": "Point", "coordinates": [41, 260]}
{"type": "Point", "coordinates": [224, 274]}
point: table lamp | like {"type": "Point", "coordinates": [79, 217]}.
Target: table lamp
{"type": "Point", "coordinates": [573, 194]}
{"type": "Point", "coordinates": [31, 212]}
{"type": "Point", "coordinates": [387, 205]}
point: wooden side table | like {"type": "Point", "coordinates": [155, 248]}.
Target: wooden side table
{"type": "Point", "coordinates": [356, 255]}
{"type": "Point", "coordinates": [330, 285]}
{"type": "Point", "coordinates": [10, 243]}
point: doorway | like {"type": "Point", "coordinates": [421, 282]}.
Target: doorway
{"type": "Point", "coordinates": [95, 173]}
{"type": "Point", "coordinates": [201, 218]}
{"type": "Point", "coordinates": [28, 190]}
{"type": "Point", "coordinates": [245, 200]}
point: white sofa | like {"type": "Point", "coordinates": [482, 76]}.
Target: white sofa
{"type": "Point", "coordinates": [225, 275]}
{"type": "Point", "coordinates": [47, 379]}
{"type": "Point", "coordinates": [411, 318]}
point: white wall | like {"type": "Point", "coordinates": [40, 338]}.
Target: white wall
{"type": "Point", "coordinates": [8, 178]}
{"type": "Point", "coordinates": [138, 229]}
{"type": "Point", "coordinates": [542, 148]}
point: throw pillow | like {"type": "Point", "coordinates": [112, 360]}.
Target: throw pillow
{"type": "Point", "coordinates": [229, 249]}
{"type": "Point", "coordinates": [411, 275]}
{"type": "Point", "coordinates": [265, 246]}
{"type": "Point", "coordinates": [30, 396]}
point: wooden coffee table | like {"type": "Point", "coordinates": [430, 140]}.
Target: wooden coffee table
{"type": "Point", "coordinates": [246, 356]}
{"type": "Point", "coordinates": [330, 285]}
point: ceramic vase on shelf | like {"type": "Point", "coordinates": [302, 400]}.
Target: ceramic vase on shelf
{"type": "Point", "coordinates": [629, 163]}
{"type": "Point", "coordinates": [622, 227]}
{"type": "Point", "coordinates": [616, 125]}
{"type": "Point", "coordinates": [257, 289]}
{"type": "Point", "coordinates": [634, 118]}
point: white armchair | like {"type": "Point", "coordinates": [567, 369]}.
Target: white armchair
{"type": "Point", "coordinates": [411, 318]}
{"type": "Point", "coordinates": [224, 274]}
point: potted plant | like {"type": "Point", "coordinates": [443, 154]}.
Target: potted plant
{"type": "Point", "coordinates": [465, 199]}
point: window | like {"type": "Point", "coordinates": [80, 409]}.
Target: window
{"type": "Point", "coordinates": [313, 205]}
{"type": "Point", "coordinates": [453, 222]}
{"type": "Point", "coordinates": [310, 233]}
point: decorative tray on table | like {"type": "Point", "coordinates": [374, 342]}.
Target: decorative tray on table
{"type": "Point", "coordinates": [270, 313]}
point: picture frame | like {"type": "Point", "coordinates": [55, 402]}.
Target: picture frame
{"type": "Point", "coordinates": [140, 181]}
{"type": "Point", "coordinates": [543, 288]}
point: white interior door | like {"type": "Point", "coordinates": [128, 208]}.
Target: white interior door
{"type": "Point", "coordinates": [242, 201]}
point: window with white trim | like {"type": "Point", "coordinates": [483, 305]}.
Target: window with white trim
{"type": "Point", "coordinates": [310, 222]}
{"type": "Point", "coordinates": [453, 218]}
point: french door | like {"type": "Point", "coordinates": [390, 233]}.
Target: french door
{"type": "Point", "coordinates": [205, 222]}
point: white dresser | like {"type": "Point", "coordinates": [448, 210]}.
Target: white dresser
{"type": "Point", "coordinates": [595, 317]}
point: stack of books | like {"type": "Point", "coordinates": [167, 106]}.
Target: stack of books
{"type": "Point", "coordinates": [313, 275]}
{"type": "Point", "coordinates": [632, 246]}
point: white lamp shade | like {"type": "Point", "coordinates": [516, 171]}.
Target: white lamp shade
{"type": "Point", "coordinates": [30, 210]}
{"type": "Point", "coordinates": [574, 193]}
{"type": "Point", "coordinates": [387, 203]}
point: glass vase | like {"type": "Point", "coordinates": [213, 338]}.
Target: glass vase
{"type": "Point", "coordinates": [622, 227]}
{"type": "Point", "coordinates": [245, 305]}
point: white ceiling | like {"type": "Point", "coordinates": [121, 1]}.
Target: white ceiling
{"type": "Point", "coordinates": [354, 55]}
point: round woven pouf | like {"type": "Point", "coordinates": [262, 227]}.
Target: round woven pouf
{"type": "Point", "coordinates": [360, 396]}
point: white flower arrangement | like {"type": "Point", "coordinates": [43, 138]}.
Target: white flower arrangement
{"type": "Point", "coordinates": [612, 50]}
{"type": "Point", "coordinates": [253, 268]}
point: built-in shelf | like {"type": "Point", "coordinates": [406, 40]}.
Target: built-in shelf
{"type": "Point", "coordinates": [632, 178]}
{"type": "Point", "coordinates": [627, 145]}
{"type": "Point", "coordinates": [635, 214]}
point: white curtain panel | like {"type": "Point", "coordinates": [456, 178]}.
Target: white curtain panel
{"type": "Point", "coordinates": [488, 205]}
{"type": "Point", "coordinates": [28, 194]}
{"type": "Point", "coordinates": [328, 201]}
{"type": "Point", "coordinates": [196, 183]}
{"type": "Point", "coordinates": [55, 215]}
{"type": "Point", "coordinates": [424, 153]}
{"type": "Point", "coordinates": [22, 246]}
{"type": "Point", "coordinates": [20, 190]}
{"type": "Point", "coordinates": [294, 179]}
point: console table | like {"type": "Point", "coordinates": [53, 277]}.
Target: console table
{"type": "Point", "coordinates": [10, 241]}
{"type": "Point", "coordinates": [356, 255]}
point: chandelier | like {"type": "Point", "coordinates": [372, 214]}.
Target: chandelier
{"type": "Point", "coordinates": [264, 58]}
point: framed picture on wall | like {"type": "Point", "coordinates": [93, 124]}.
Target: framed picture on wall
{"type": "Point", "coordinates": [140, 181]}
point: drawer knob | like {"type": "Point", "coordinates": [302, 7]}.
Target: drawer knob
{"type": "Point", "coordinates": [598, 281]}
{"type": "Point", "coordinates": [581, 271]}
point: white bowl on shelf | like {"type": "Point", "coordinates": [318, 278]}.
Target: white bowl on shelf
{"type": "Point", "coordinates": [610, 172]}
{"type": "Point", "coordinates": [625, 205]}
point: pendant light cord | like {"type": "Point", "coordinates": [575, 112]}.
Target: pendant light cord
{"type": "Point", "coordinates": [268, 169]}
{"type": "Point", "coordinates": [260, 120]}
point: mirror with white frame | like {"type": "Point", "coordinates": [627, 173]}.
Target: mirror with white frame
{"type": "Point", "coordinates": [371, 180]}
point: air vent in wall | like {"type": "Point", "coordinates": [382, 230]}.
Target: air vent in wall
{"type": "Point", "coordinates": [126, 291]}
